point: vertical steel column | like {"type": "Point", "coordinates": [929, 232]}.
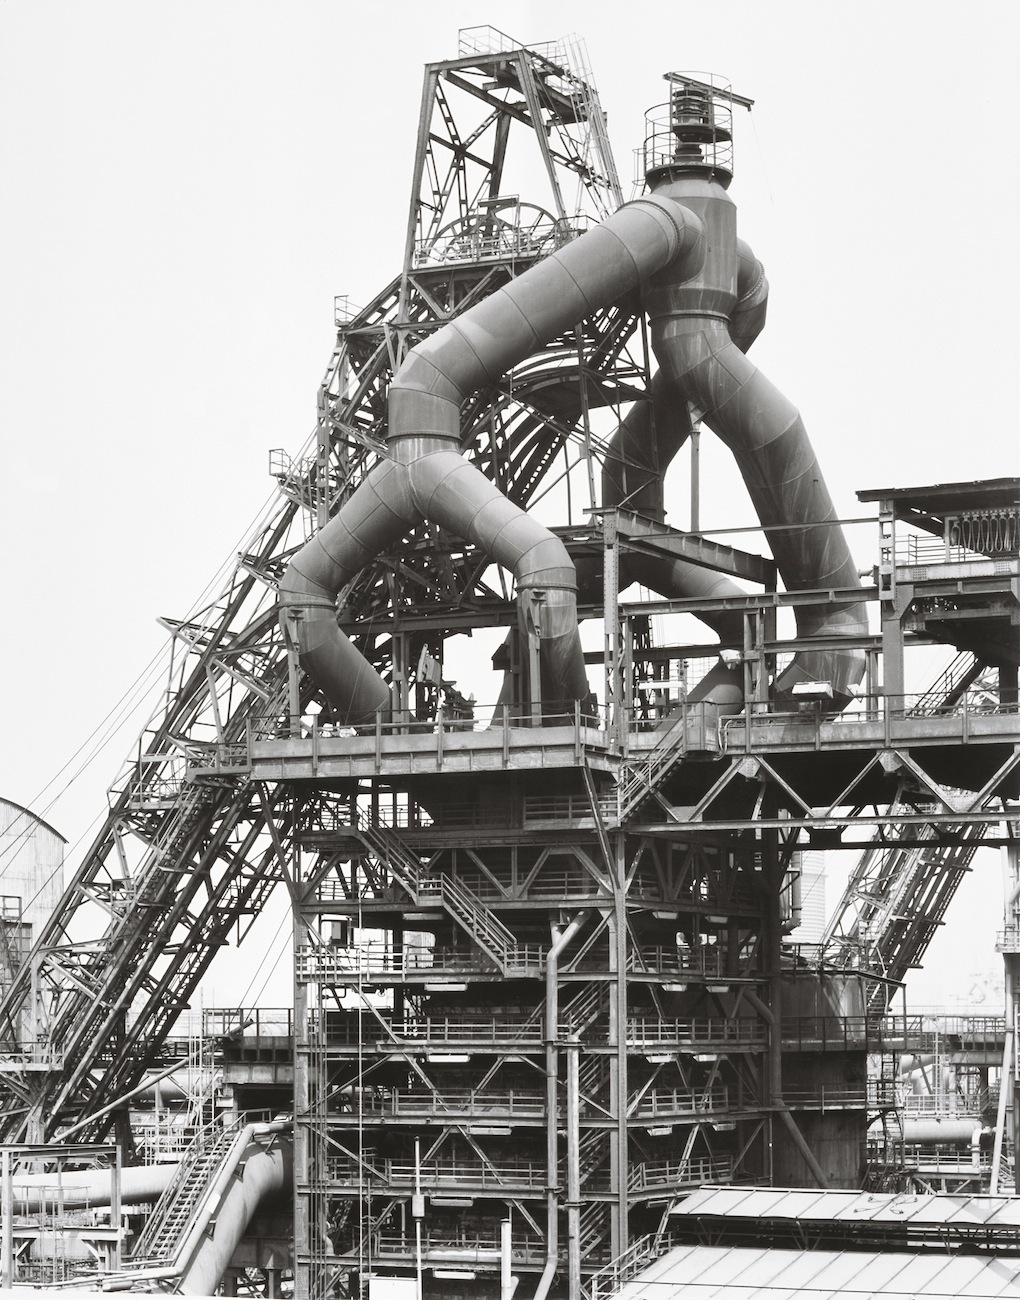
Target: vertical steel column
{"type": "Point", "coordinates": [1006, 1119]}
{"type": "Point", "coordinates": [560, 939]}
{"type": "Point", "coordinates": [772, 876]}
{"type": "Point", "coordinates": [305, 1152]}
{"type": "Point", "coordinates": [618, 1073]}
{"type": "Point", "coordinates": [6, 1221]}
{"type": "Point", "coordinates": [895, 600]}
{"type": "Point", "coordinates": [573, 1053]}
{"type": "Point", "coordinates": [616, 719]}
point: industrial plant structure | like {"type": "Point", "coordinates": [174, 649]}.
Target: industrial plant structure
{"type": "Point", "coordinates": [546, 977]}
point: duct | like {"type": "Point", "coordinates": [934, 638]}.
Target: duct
{"type": "Point", "coordinates": [705, 296]}
{"type": "Point", "coordinates": [639, 453]}
{"type": "Point", "coordinates": [254, 1172]}
{"type": "Point", "coordinates": [84, 1188]}
{"type": "Point", "coordinates": [645, 444]}
{"type": "Point", "coordinates": [690, 318]}
{"type": "Point", "coordinates": [426, 478]}
{"type": "Point", "coordinates": [255, 1169]}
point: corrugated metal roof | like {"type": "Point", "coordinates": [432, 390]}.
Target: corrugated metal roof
{"type": "Point", "coordinates": [819, 1206]}
{"type": "Point", "coordinates": [742, 1273]}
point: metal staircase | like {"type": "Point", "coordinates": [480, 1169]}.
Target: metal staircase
{"type": "Point", "coordinates": [474, 918]}
{"type": "Point", "coordinates": [591, 1154]}
{"type": "Point", "coordinates": [641, 780]}
{"type": "Point", "coordinates": [946, 692]}
{"type": "Point", "coordinates": [895, 901]}
{"type": "Point", "coordinates": [593, 1227]}
{"type": "Point", "coordinates": [175, 1214]}
{"type": "Point", "coordinates": [470, 913]}
{"type": "Point", "coordinates": [582, 1011]}
{"type": "Point", "coordinates": [404, 866]}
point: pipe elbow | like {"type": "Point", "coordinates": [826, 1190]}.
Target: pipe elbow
{"type": "Point", "coordinates": [488, 339]}
{"type": "Point", "coordinates": [747, 320]}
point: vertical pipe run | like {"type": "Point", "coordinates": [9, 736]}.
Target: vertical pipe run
{"type": "Point", "coordinates": [560, 939]}
{"type": "Point", "coordinates": [6, 1222]}
{"type": "Point", "coordinates": [573, 1170]}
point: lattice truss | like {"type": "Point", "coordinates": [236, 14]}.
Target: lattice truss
{"type": "Point", "coordinates": [186, 855]}
{"type": "Point", "coordinates": [903, 883]}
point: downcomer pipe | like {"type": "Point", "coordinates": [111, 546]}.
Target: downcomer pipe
{"type": "Point", "coordinates": [705, 296]}
{"type": "Point", "coordinates": [256, 1170]}
{"type": "Point", "coordinates": [699, 324]}
{"type": "Point", "coordinates": [425, 476]}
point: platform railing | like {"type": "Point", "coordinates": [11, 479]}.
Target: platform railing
{"type": "Point", "coordinates": [833, 1033]}
{"type": "Point", "coordinates": [440, 1030]}
{"type": "Point", "coordinates": [448, 1173]}
{"type": "Point", "coordinates": [942, 1157]}
{"type": "Point", "coordinates": [695, 1031]}
{"type": "Point", "coordinates": [248, 1022]}
{"type": "Point", "coordinates": [512, 1103]}
{"type": "Point", "coordinates": [378, 960]}
{"type": "Point", "coordinates": [693, 1172]}
{"type": "Point", "coordinates": [663, 1102]}
{"type": "Point", "coordinates": [762, 724]}
{"type": "Point", "coordinates": [463, 1247]}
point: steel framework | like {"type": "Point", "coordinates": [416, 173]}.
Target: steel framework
{"type": "Point", "coordinates": [539, 969]}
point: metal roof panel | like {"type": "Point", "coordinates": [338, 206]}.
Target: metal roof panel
{"type": "Point", "coordinates": [742, 1273]}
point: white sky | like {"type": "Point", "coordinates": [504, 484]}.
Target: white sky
{"type": "Point", "coordinates": [187, 183]}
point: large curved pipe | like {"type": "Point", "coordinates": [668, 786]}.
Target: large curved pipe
{"type": "Point", "coordinates": [691, 318]}
{"type": "Point", "coordinates": [705, 295]}
{"type": "Point", "coordinates": [633, 475]}
{"type": "Point", "coordinates": [261, 1171]}
{"type": "Point", "coordinates": [427, 478]}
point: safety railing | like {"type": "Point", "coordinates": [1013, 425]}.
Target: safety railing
{"type": "Point", "coordinates": [486, 39]}
{"type": "Point", "coordinates": [378, 960]}
{"type": "Point", "coordinates": [968, 536]}
{"type": "Point", "coordinates": [694, 1031]}
{"type": "Point", "coordinates": [494, 1030]}
{"type": "Point", "coordinates": [501, 1172]}
{"type": "Point", "coordinates": [609, 1280]}
{"type": "Point", "coordinates": [680, 1101]}
{"type": "Point", "coordinates": [588, 730]}
{"type": "Point", "coordinates": [512, 1103]}
{"type": "Point", "coordinates": [694, 1172]}
{"type": "Point", "coordinates": [458, 1247]}
{"type": "Point", "coordinates": [940, 1023]}
{"type": "Point", "coordinates": [590, 718]}
{"type": "Point", "coordinates": [950, 1106]}
{"type": "Point", "coordinates": [945, 1157]}
{"type": "Point", "coordinates": [829, 1097]}
{"type": "Point", "coordinates": [812, 724]}
{"type": "Point", "coordinates": [708, 961]}
{"type": "Point", "coordinates": [248, 1022]}
{"type": "Point", "coordinates": [833, 1033]}
{"type": "Point", "coordinates": [497, 240]}
{"type": "Point", "coordinates": [1008, 940]}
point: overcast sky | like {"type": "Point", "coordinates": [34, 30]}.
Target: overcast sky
{"type": "Point", "coordinates": [186, 186]}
